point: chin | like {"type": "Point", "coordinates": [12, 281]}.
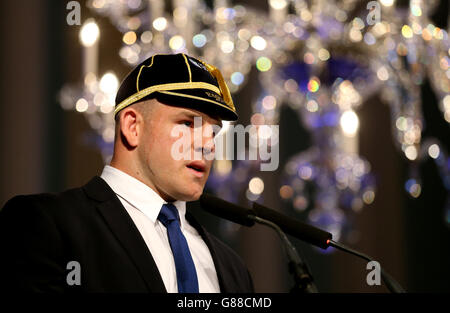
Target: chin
{"type": "Point", "coordinates": [191, 195]}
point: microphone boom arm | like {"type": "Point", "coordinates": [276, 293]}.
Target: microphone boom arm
{"type": "Point", "coordinates": [391, 284]}
{"type": "Point", "coordinates": [305, 232]}
{"type": "Point", "coordinates": [302, 277]}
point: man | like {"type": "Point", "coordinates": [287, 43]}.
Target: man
{"type": "Point", "coordinates": [128, 230]}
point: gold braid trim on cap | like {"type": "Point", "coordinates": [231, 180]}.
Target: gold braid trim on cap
{"type": "Point", "coordinates": [164, 87]}
{"type": "Point", "coordinates": [196, 98]}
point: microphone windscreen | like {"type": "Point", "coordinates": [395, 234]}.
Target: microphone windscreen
{"type": "Point", "coordinates": [302, 231]}
{"type": "Point", "coordinates": [226, 210]}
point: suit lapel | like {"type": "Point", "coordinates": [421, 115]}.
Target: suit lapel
{"type": "Point", "coordinates": [224, 283]}
{"type": "Point", "coordinates": [124, 229]}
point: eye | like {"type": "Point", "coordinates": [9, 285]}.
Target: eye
{"type": "Point", "coordinates": [187, 123]}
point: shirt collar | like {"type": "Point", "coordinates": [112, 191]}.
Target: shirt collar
{"type": "Point", "coordinates": [138, 194]}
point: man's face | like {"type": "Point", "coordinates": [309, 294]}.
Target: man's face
{"type": "Point", "coordinates": [176, 178]}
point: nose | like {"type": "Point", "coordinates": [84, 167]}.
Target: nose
{"type": "Point", "coordinates": [206, 145]}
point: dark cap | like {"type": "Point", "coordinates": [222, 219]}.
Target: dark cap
{"type": "Point", "coordinates": [180, 80]}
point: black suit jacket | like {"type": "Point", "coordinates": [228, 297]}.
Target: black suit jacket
{"type": "Point", "coordinates": [40, 234]}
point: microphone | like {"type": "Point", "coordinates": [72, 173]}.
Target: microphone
{"type": "Point", "coordinates": [245, 216]}
{"type": "Point", "coordinates": [281, 222]}
{"type": "Point", "coordinates": [227, 210]}
{"type": "Point", "coordinates": [302, 231]}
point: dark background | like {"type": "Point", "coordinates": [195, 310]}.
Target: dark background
{"type": "Point", "coordinates": [43, 149]}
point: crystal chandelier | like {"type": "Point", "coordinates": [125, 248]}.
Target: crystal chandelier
{"type": "Point", "coordinates": [321, 58]}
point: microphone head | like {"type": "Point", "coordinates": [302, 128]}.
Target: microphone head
{"type": "Point", "coordinates": [227, 210]}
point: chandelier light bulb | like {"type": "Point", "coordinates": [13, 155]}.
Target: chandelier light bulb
{"type": "Point", "coordinates": [349, 123]}
{"type": "Point", "coordinates": [387, 3]}
{"type": "Point", "coordinates": [109, 83]}
{"type": "Point", "coordinates": [160, 23]}
{"type": "Point", "coordinates": [278, 4]}
{"type": "Point", "coordinates": [89, 33]}
{"type": "Point", "coordinates": [258, 43]}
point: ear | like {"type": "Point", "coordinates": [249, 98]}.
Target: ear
{"type": "Point", "coordinates": [131, 123]}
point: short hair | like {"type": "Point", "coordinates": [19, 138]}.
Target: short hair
{"type": "Point", "coordinates": [143, 107]}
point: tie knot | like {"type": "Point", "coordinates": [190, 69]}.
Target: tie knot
{"type": "Point", "coordinates": [168, 214]}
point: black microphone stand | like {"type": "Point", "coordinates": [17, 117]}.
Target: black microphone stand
{"type": "Point", "coordinates": [298, 268]}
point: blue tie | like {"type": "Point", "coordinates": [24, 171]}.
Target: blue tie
{"type": "Point", "coordinates": [186, 274]}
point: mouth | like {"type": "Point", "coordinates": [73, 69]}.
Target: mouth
{"type": "Point", "coordinates": [197, 168]}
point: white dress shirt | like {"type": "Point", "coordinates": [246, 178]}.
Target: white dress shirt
{"type": "Point", "coordinates": [143, 205]}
